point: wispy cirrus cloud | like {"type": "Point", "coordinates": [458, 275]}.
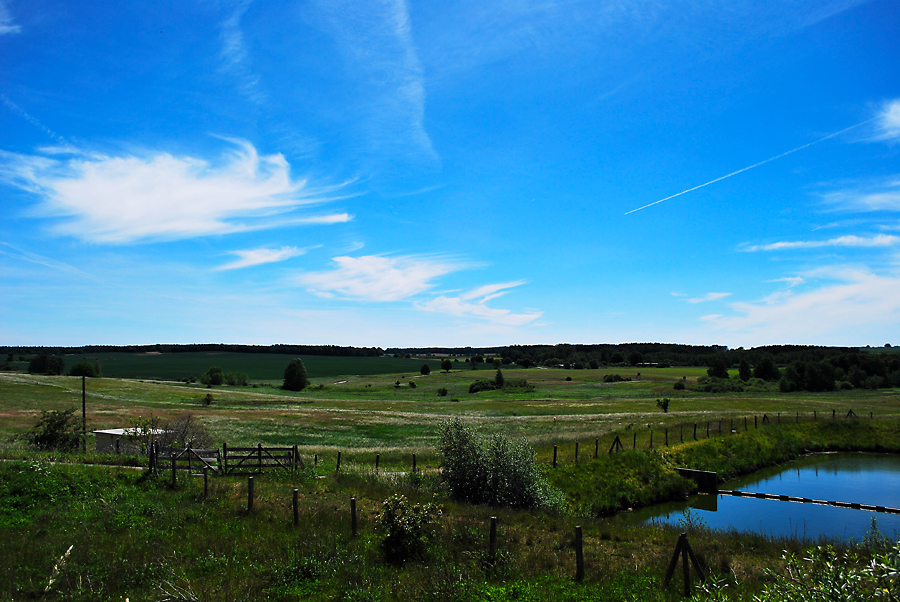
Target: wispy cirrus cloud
{"type": "Point", "coordinates": [851, 299]}
{"type": "Point", "coordinates": [252, 257]}
{"type": "Point", "coordinates": [235, 56]}
{"type": "Point", "coordinates": [377, 39]}
{"type": "Point", "coordinates": [708, 297]}
{"type": "Point", "coordinates": [378, 278]}
{"type": "Point", "coordinates": [876, 195]}
{"type": "Point", "coordinates": [474, 304]}
{"type": "Point", "coordinates": [6, 21]}
{"type": "Point", "coordinates": [851, 240]}
{"type": "Point", "coordinates": [125, 199]}
{"type": "Point", "coordinates": [888, 124]}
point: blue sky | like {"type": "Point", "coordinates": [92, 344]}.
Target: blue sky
{"type": "Point", "coordinates": [394, 173]}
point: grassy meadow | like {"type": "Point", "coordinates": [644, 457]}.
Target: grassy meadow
{"type": "Point", "coordinates": [134, 536]}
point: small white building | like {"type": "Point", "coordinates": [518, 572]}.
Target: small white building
{"type": "Point", "coordinates": [121, 441]}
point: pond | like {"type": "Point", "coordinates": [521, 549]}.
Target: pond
{"type": "Point", "coordinates": [861, 478]}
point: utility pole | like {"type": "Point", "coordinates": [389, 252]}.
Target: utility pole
{"type": "Point", "coordinates": [83, 419]}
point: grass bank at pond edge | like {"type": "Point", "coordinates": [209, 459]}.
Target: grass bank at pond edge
{"type": "Point", "coordinates": [637, 478]}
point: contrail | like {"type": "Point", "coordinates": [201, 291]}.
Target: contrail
{"type": "Point", "coordinates": [734, 173]}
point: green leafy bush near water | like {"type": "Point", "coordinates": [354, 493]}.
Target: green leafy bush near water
{"type": "Point", "coordinates": [493, 470]}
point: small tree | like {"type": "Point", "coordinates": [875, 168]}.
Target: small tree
{"type": "Point", "coordinates": [663, 404]}
{"type": "Point", "coordinates": [82, 369]}
{"type": "Point", "coordinates": [525, 362]}
{"type": "Point", "coordinates": [718, 369]}
{"type": "Point", "coordinates": [446, 365]}
{"type": "Point", "coordinates": [425, 370]}
{"type": "Point", "coordinates": [499, 379]}
{"type": "Point", "coordinates": [295, 376]}
{"type": "Point", "coordinates": [405, 527]}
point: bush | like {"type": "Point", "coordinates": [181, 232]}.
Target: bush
{"type": "Point", "coordinates": [494, 470]}
{"type": "Point", "coordinates": [405, 527]}
{"type": "Point", "coordinates": [412, 385]}
{"type": "Point", "coordinates": [213, 376]}
{"type": "Point", "coordinates": [679, 385]}
{"type": "Point", "coordinates": [614, 378]}
{"type": "Point", "coordinates": [663, 404]}
{"type": "Point", "coordinates": [446, 365]}
{"type": "Point", "coordinates": [425, 370]}
{"type": "Point", "coordinates": [56, 430]}
{"type": "Point", "coordinates": [442, 392]}
{"type": "Point", "coordinates": [295, 376]}
{"type": "Point", "coordinates": [237, 379]}
{"type": "Point", "coordinates": [483, 385]}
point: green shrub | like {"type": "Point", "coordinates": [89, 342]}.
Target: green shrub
{"type": "Point", "coordinates": [483, 385]}
{"type": "Point", "coordinates": [56, 430]}
{"type": "Point", "coordinates": [614, 378]}
{"type": "Point", "coordinates": [47, 364]}
{"type": "Point", "coordinates": [679, 386]}
{"type": "Point", "coordinates": [493, 470]}
{"type": "Point", "coordinates": [85, 369]}
{"type": "Point", "coordinates": [405, 528]}
{"type": "Point", "coordinates": [442, 392]}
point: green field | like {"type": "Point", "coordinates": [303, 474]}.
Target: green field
{"type": "Point", "coordinates": [176, 543]}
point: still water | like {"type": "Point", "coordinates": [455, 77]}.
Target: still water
{"type": "Point", "coordinates": [863, 478]}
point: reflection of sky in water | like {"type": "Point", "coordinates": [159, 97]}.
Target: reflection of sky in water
{"type": "Point", "coordinates": [864, 478]}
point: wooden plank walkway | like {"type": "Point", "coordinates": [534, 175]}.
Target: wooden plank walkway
{"type": "Point", "coordinates": [806, 500]}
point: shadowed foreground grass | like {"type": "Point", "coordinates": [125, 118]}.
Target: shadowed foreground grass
{"type": "Point", "coordinates": [132, 535]}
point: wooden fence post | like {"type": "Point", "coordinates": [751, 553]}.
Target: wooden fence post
{"type": "Point", "coordinates": [576, 452]}
{"type": "Point", "coordinates": [377, 461]}
{"type": "Point", "coordinates": [225, 458]}
{"type": "Point", "coordinates": [295, 459]}
{"type": "Point", "coordinates": [833, 414]}
{"type": "Point", "coordinates": [755, 425]}
{"type": "Point", "coordinates": [681, 431]}
{"type": "Point", "coordinates": [249, 494]}
{"type": "Point", "coordinates": [634, 445]}
{"type": "Point", "coordinates": [579, 555]}
{"type": "Point", "coordinates": [414, 463]}
{"type": "Point", "coordinates": [667, 436]}
{"type": "Point", "coordinates": [695, 431]}
{"type": "Point", "coordinates": [295, 503]}
{"type": "Point", "coordinates": [492, 541]}
{"type": "Point", "coordinates": [596, 448]}
{"type": "Point", "coordinates": [815, 416]}
{"type": "Point", "coordinates": [174, 478]}
{"type": "Point", "coordinates": [731, 430]}
{"type": "Point", "coordinates": [338, 469]}
{"type": "Point", "coordinates": [205, 482]}
{"type": "Point", "coordinates": [745, 424]}
{"type": "Point", "coordinates": [316, 461]}
{"type": "Point", "coordinates": [651, 439]}
{"type": "Point", "coordinates": [707, 429]}
{"type": "Point", "coordinates": [554, 456]}
{"type": "Point", "coordinates": [720, 427]}
{"type": "Point", "coordinates": [353, 516]}
{"type": "Point", "coordinates": [683, 549]}
{"type": "Point", "coordinates": [778, 419]}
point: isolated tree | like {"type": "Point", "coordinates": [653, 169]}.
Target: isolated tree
{"type": "Point", "coordinates": [56, 430]}
{"type": "Point", "coordinates": [425, 370]}
{"type": "Point", "coordinates": [593, 364]}
{"type": "Point", "coordinates": [83, 369]}
{"type": "Point", "coordinates": [446, 365]}
{"type": "Point", "coordinates": [295, 376]}
{"type": "Point", "coordinates": [635, 358]}
{"type": "Point", "coordinates": [744, 372]}
{"type": "Point", "coordinates": [213, 376]}
{"type": "Point", "coordinates": [499, 379]}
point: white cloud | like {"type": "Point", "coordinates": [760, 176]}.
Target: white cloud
{"type": "Point", "coordinates": [889, 121]}
{"type": "Point", "coordinates": [881, 240]}
{"type": "Point", "coordinates": [6, 21]}
{"type": "Point", "coordinates": [791, 281]}
{"type": "Point", "coordinates": [881, 195]}
{"type": "Point", "coordinates": [377, 278]}
{"type": "Point", "coordinates": [854, 299]}
{"type": "Point", "coordinates": [160, 196]}
{"type": "Point", "coordinates": [234, 54]}
{"type": "Point", "coordinates": [462, 306]}
{"type": "Point", "coordinates": [708, 297]}
{"type": "Point", "coordinates": [251, 257]}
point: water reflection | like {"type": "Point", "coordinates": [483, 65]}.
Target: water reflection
{"type": "Point", "coordinates": [864, 478]}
